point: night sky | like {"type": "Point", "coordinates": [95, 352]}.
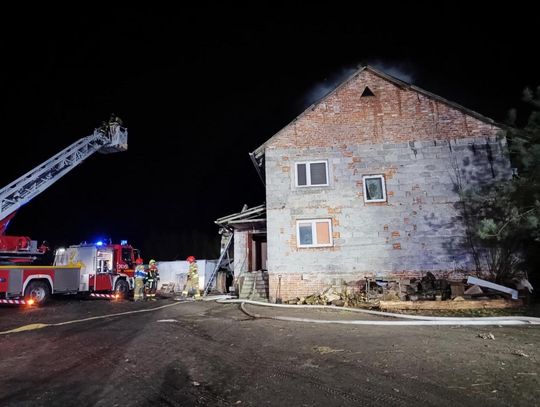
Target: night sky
{"type": "Point", "coordinates": [199, 89]}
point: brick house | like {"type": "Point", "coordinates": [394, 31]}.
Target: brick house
{"type": "Point", "coordinates": [363, 184]}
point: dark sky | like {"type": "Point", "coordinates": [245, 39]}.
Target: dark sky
{"type": "Point", "coordinates": [200, 88]}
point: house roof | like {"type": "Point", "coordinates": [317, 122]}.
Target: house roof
{"type": "Point", "coordinates": [258, 153]}
{"type": "Point", "coordinates": [246, 218]}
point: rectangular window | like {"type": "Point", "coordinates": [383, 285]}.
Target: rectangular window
{"type": "Point", "coordinates": [311, 173]}
{"type": "Point", "coordinates": [374, 188]}
{"type": "Point", "coordinates": [314, 232]}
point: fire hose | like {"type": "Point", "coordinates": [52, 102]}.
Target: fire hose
{"type": "Point", "coordinates": [413, 320]}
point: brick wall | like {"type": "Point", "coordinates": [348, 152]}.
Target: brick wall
{"type": "Point", "coordinates": [395, 114]}
{"type": "Point", "coordinates": [420, 146]}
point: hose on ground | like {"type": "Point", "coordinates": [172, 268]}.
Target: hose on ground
{"type": "Point", "coordinates": [409, 319]}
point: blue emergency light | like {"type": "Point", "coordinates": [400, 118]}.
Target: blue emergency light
{"type": "Point", "coordinates": [123, 242]}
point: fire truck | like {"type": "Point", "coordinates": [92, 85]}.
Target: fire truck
{"type": "Point", "coordinates": [111, 137]}
{"type": "Point", "coordinates": [19, 279]}
{"type": "Point", "coordinates": [97, 270]}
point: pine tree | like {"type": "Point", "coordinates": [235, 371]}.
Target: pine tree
{"type": "Point", "coordinates": [503, 220]}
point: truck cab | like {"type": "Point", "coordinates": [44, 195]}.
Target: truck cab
{"type": "Point", "coordinates": [124, 258]}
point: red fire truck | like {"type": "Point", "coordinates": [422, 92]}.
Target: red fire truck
{"type": "Point", "coordinates": [97, 270]}
{"type": "Point", "coordinates": [111, 137]}
{"type": "Point", "coordinates": [90, 269]}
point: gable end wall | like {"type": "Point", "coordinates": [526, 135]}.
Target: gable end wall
{"type": "Point", "coordinates": [419, 145]}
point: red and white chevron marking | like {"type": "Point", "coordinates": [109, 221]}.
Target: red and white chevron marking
{"type": "Point", "coordinates": [14, 302]}
{"type": "Point", "coordinates": [109, 296]}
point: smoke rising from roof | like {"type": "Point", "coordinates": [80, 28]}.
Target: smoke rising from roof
{"type": "Point", "coordinates": [396, 70]}
{"type": "Point", "coordinates": [322, 89]}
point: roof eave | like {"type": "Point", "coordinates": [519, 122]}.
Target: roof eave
{"type": "Point", "coordinates": [430, 95]}
{"type": "Point", "coordinates": [255, 211]}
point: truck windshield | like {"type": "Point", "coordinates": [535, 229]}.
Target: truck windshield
{"type": "Point", "coordinates": [126, 256]}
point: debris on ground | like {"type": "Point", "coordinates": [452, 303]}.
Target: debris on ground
{"type": "Point", "coordinates": [167, 288]}
{"type": "Point", "coordinates": [487, 336]}
{"type": "Point", "coordinates": [323, 350]}
{"type": "Point", "coordinates": [340, 297]}
{"type": "Point", "coordinates": [428, 292]}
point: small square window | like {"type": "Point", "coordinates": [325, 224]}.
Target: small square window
{"type": "Point", "coordinates": [311, 173]}
{"type": "Point", "coordinates": [314, 233]}
{"type": "Point", "coordinates": [374, 188]}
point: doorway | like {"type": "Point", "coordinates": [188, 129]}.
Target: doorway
{"type": "Point", "coordinates": [258, 253]}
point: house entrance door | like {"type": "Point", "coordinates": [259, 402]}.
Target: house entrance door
{"type": "Point", "coordinates": [257, 252]}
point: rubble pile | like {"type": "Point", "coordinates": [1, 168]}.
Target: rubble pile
{"type": "Point", "coordinates": [374, 292]}
{"type": "Point", "coordinates": [428, 288]}
{"type": "Point", "coordinates": [339, 296]}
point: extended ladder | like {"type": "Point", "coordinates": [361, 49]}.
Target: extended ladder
{"type": "Point", "coordinates": [107, 139]}
{"type": "Point", "coordinates": [220, 260]}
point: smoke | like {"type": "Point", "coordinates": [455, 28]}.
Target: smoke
{"type": "Point", "coordinates": [398, 71]}
{"type": "Point", "coordinates": [322, 89]}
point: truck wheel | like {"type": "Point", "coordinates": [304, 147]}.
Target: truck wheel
{"type": "Point", "coordinates": [122, 288]}
{"type": "Point", "coordinates": [38, 291]}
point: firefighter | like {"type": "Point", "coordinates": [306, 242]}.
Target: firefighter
{"type": "Point", "coordinates": [114, 119]}
{"type": "Point", "coordinates": [192, 279]}
{"type": "Point", "coordinates": [152, 280]}
{"type": "Point", "coordinates": [140, 277]}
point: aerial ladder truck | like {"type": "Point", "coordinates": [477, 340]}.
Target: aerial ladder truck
{"type": "Point", "coordinates": [18, 278]}
{"type": "Point", "coordinates": [111, 137]}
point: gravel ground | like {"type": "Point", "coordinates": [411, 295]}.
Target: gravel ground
{"type": "Point", "coordinates": [205, 353]}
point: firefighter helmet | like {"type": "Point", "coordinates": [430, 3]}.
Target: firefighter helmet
{"type": "Point", "coordinates": [152, 261]}
{"type": "Point", "coordinates": [190, 259]}
{"type": "Point", "coordinates": [139, 261]}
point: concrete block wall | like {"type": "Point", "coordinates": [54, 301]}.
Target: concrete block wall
{"type": "Point", "coordinates": [420, 145]}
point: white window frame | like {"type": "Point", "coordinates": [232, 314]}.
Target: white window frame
{"type": "Point", "coordinates": [383, 183]}
{"type": "Point", "coordinates": [308, 173]}
{"type": "Point", "coordinates": [314, 232]}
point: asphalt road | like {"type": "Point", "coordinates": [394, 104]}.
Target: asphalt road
{"type": "Point", "coordinates": [204, 353]}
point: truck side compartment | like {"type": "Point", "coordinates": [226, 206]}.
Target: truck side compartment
{"type": "Point", "coordinates": [14, 280]}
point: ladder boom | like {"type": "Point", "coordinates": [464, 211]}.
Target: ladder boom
{"type": "Point", "coordinates": [107, 139]}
